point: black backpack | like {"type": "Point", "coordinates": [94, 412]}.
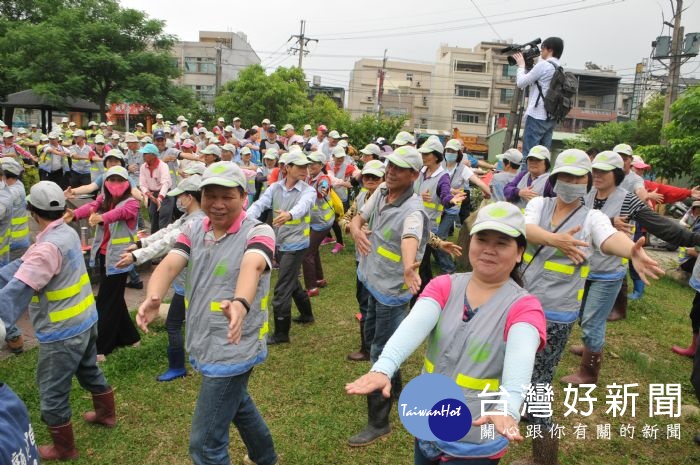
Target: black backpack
{"type": "Point", "coordinates": [560, 95]}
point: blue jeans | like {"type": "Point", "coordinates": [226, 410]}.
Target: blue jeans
{"type": "Point", "coordinates": [537, 132]}
{"type": "Point", "coordinates": [12, 332]}
{"type": "Point", "coordinates": [382, 321]}
{"type": "Point", "coordinates": [444, 260]}
{"type": "Point", "coordinates": [223, 401]}
{"type": "Point", "coordinates": [598, 300]}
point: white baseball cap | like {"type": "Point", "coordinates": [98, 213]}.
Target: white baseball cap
{"type": "Point", "coordinates": [540, 152]}
{"type": "Point", "coordinates": [374, 167]}
{"type": "Point", "coordinates": [572, 161]}
{"type": "Point", "coordinates": [623, 149]}
{"type": "Point", "coordinates": [223, 173]}
{"type": "Point", "coordinates": [371, 149]}
{"type": "Point", "coordinates": [503, 217]}
{"type": "Point", "coordinates": [403, 138]}
{"type": "Point", "coordinates": [189, 184]}
{"type": "Point", "coordinates": [431, 145]}
{"type": "Point", "coordinates": [406, 156]}
{"type": "Point", "coordinates": [47, 196]}
{"type": "Point", "coordinates": [608, 160]}
{"type": "Point", "coordinates": [512, 155]}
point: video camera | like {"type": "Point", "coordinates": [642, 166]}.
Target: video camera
{"type": "Point", "coordinates": [529, 50]}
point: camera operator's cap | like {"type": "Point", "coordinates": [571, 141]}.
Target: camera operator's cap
{"type": "Point", "coordinates": [158, 134]}
{"type": "Point", "coordinates": [64, 120]}
{"type": "Point", "coordinates": [334, 134]}
{"type": "Point", "coordinates": [540, 152]}
{"type": "Point", "coordinates": [431, 145]}
{"type": "Point", "coordinates": [607, 160]}
{"type": "Point", "coordinates": [54, 135]}
{"type": "Point", "coordinates": [307, 127]}
{"type": "Point", "coordinates": [265, 121]}
{"type": "Point", "coordinates": [189, 184]}
{"type": "Point", "coordinates": [223, 173]}
{"type": "Point", "coordinates": [245, 151]}
{"type": "Point", "coordinates": [117, 171]}
{"type": "Point", "coordinates": [211, 149]}
{"type": "Point", "coordinates": [11, 165]}
{"type": "Point", "coordinates": [297, 158]}
{"type": "Point", "coordinates": [47, 196]}
{"type": "Point", "coordinates": [371, 149]}
{"type": "Point", "coordinates": [374, 167]}
{"type": "Point", "coordinates": [196, 167]}
{"type": "Point", "coordinates": [236, 118]}
{"type": "Point", "coordinates": [288, 126]}
{"type": "Point", "coordinates": [317, 157]}
{"type": "Point", "coordinates": [150, 149]}
{"type": "Point", "coordinates": [129, 137]}
{"type": "Point", "coordinates": [79, 133]}
{"type": "Point", "coordinates": [116, 153]}
{"type": "Point", "coordinates": [228, 128]}
{"type": "Point", "coordinates": [229, 148]}
{"type": "Point", "coordinates": [92, 123]}
{"type": "Point", "coordinates": [623, 149]}
{"type": "Point", "coordinates": [159, 116]}
{"type": "Point", "coordinates": [512, 155]}
{"type": "Point", "coordinates": [572, 161]}
{"type": "Point", "coordinates": [453, 144]}
{"type": "Point", "coordinates": [7, 134]}
{"type": "Point", "coordinates": [503, 217]}
{"type": "Point", "coordinates": [406, 157]}
{"type": "Point", "coordinates": [270, 154]}
{"type": "Point", "coordinates": [99, 139]}
{"type": "Point", "coordinates": [221, 119]}
{"type": "Point", "coordinates": [404, 138]}
{"type": "Point", "coordinates": [638, 163]}
{"type": "Point", "coordinates": [338, 152]}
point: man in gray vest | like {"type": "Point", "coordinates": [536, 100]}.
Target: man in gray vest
{"type": "Point", "coordinates": [389, 257]}
{"type": "Point", "coordinates": [51, 279]}
{"type": "Point", "coordinates": [228, 255]}
{"type": "Point", "coordinates": [511, 159]}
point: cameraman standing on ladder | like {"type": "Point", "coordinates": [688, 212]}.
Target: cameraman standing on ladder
{"type": "Point", "coordinates": [538, 124]}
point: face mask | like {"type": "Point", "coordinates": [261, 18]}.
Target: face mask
{"type": "Point", "coordinates": [569, 192]}
{"type": "Point", "coordinates": [450, 157]}
{"type": "Point", "coordinates": [116, 188]}
{"type": "Point", "coordinates": [180, 206]}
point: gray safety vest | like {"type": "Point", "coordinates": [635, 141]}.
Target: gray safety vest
{"type": "Point", "coordinates": [433, 208]}
{"type": "Point", "coordinates": [172, 165]}
{"type": "Point", "coordinates": [212, 274]}
{"type": "Point", "coordinates": [551, 276]}
{"type": "Point", "coordinates": [179, 282]}
{"type": "Point", "coordinates": [537, 186]}
{"type": "Point", "coordinates": [65, 307]}
{"type": "Point", "coordinates": [382, 270]}
{"type": "Point", "coordinates": [322, 213]}
{"type": "Point", "coordinates": [605, 267]}
{"type": "Point", "coordinates": [294, 234]}
{"type": "Point", "coordinates": [81, 165]}
{"type": "Point", "coordinates": [5, 223]}
{"type": "Point", "coordinates": [120, 237]}
{"type": "Point", "coordinates": [472, 352]}
{"type": "Point", "coordinates": [340, 174]}
{"type": "Point", "coordinates": [97, 167]}
{"type": "Point", "coordinates": [500, 180]}
{"type": "Point", "coordinates": [631, 179]}
{"type": "Point", "coordinates": [19, 237]}
{"type": "Point", "coordinates": [360, 201]}
{"type": "Point", "coordinates": [134, 158]}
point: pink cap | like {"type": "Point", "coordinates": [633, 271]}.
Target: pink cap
{"type": "Point", "coordinates": [322, 128]}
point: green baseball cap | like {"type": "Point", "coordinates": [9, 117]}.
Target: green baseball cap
{"type": "Point", "coordinates": [572, 161]}
{"type": "Point", "coordinates": [503, 217]}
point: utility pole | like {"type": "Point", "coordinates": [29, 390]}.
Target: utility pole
{"type": "Point", "coordinates": [380, 83]}
{"type": "Point", "coordinates": [217, 84]}
{"type": "Point", "coordinates": [303, 41]}
{"type": "Point", "coordinates": [675, 68]}
{"type": "Point", "coordinates": [513, 118]}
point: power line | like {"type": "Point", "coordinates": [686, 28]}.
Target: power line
{"type": "Point", "coordinates": [486, 19]}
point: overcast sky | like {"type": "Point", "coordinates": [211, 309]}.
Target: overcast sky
{"type": "Point", "coordinates": [615, 33]}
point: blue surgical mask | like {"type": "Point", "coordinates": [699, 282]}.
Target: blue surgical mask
{"type": "Point", "coordinates": [450, 157]}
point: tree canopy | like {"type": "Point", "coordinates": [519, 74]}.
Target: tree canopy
{"type": "Point", "coordinates": [93, 49]}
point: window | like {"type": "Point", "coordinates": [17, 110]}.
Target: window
{"type": "Point", "coordinates": [506, 96]}
{"type": "Point", "coordinates": [423, 122]}
{"type": "Point", "coordinates": [409, 77]}
{"type": "Point", "coordinates": [469, 117]}
{"type": "Point", "coordinates": [200, 65]}
{"type": "Point", "coordinates": [582, 104]}
{"type": "Point", "coordinates": [425, 101]}
{"type": "Point", "coordinates": [470, 67]}
{"type": "Point", "coordinates": [509, 71]}
{"type": "Point", "coordinates": [473, 92]}
{"type": "Point", "coordinates": [204, 93]}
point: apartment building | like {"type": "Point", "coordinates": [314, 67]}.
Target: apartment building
{"type": "Point", "coordinates": [406, 90]}
{"type": "Point", "coordinates": [215, 59]}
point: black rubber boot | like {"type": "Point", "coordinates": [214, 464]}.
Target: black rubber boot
{"type": "Point", "coordinates": [305, 313]}
{"type": "Point", "coordinates": [281, 334]}
{"type": "Point", "coordinates": [362, 354]}
{"type": "Point", "coordinates": [378, 408]}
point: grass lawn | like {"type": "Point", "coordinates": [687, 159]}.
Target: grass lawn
{"type": "Point", "coordinates": [299, 391]}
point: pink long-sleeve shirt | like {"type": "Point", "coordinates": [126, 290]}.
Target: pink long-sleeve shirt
{"type": "Point", "coordinates": [129, 213]}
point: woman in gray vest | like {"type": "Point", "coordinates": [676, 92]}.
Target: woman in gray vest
{"type": "Point", "coordinates": [114, 214]}
{"type": "Point", "coordinates": [560, 233]}
{"type": "Point", "coordinates": [487, 309]}
{"type": "Point", "coordinates": [226, 300]}
{"type": "Point", "coordinates": [531, 183]}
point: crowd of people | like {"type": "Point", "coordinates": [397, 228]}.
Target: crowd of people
{"type": "Point", "coordinates": [550, 246]}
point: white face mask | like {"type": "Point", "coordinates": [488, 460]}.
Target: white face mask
{"type": "Point", "coordinates": [569, 192]}
{"type": "Point", "coordinates": [180, 206]}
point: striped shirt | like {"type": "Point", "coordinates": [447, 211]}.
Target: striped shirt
{"type": "Point", "coordinates": [630, 206]}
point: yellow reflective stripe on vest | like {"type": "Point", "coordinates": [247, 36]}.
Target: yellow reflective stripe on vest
{"type": "Point", "coordinates": [19, 220]}
{"type": "Point", "coordinates": [559, 268]}
{"type": "Point", "coordinates": [527, 257]}
{"type": "Point", "coordinates": [433, 206]}
{"type": "Point", "coordinates": [388, 254]}
{"type": "Point", "coordinates": [264, 330]}
{"type": "Point", "coordinates": [328, 215]}
{"type": "Point", "coordinates": [121, 240]}
{"type": "Point", "coordinates": [307, 231]}
{"type": "Point", "coordinates": [428, 365]}
{"type": "Point", "coordinates": [75, 310]}
{"type": "Point", "coordinates": [215, 306]}
{"type": "Point", "coordinates": [626, 261]}
{"type": "Point", "coordinates": [21, 233]}
{"type": "Point", "coordinates": [5, 249]}
{"type": "Point", "coordinates": [263, 302]}
{"type": "Point", "coordinates": [187, 304]}
{"type": "Point", "coordinates": [579, 296]}
{"type": "Point", "coordinates": [307, 219]}
{"type": "Point", "coordinates": [584, 271]}
{"type": "Point", "coordinates": [68, 292]}
{"type": "Point", "coordinates": [477, 384]}
{"type": "Point", "coordinates": [35, 299]}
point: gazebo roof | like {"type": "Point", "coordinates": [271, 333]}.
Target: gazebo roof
{"type": "Point", "coordinates": [30, 100]}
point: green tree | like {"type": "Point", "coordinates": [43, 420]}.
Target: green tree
{"type": "Point", "coordinates": [363, 130]}
{"type": "Point", "coordinates": [87, 48]}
